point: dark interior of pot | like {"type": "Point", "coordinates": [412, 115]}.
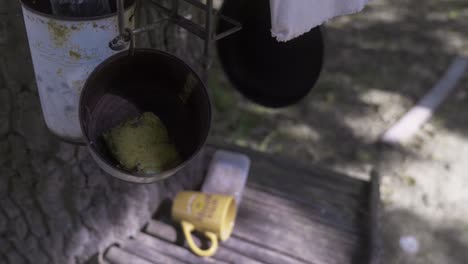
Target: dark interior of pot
{"type": "Point", "coordinates": [45, 7]}
{"type": "Point", "coordinates": [125, 86]}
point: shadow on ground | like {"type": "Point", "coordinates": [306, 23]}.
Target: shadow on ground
{"type": "Point", "coordinates": [448, 238]}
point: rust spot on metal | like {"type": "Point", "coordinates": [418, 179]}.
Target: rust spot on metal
{"type": "Point", "coordinates": [74, 54]}
{"type": "Point", "coordinates": [95, 25]}
{"type": "Point", "coordinates": [104, 27]}
{"type": "Point", "coordinates": [59, 71]}
{"type": "Point", "coordinates": [73, 27]}
{"type": "Point", "coordinates": [60, 33]}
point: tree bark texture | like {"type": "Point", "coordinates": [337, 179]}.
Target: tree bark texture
{"type": "Point", "coordinates": [56, 205]}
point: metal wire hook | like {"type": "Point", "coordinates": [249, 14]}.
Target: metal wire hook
{"type": "Point", "coordinates": [126, 34]}
{"type": "Point", "coordinates": [131, 36]}
{"type": "Point", "coordinates": [121, 16]}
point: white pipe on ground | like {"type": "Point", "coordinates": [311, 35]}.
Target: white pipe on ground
{"type": "Point", "coordinates": [410, 123]}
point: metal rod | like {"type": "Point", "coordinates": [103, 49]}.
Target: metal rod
{"type": "Point", "coordinates": [183, 22]}
{"type": "Point", "coordinates": [196, 3]}
{"type": "Point", "coordinates": [121, 17]}
{"type": "Point", "coordinates": [229, 20]}
{"type": "Point", "coordinates": [149, 26]}
{"type": "Point", "coordinates": [208, 33]}
{"type": "Point", "coordinates": [195, 28]}
{"type": "Point", "coordinates": [227, 32]}
{"type": "Point", "coordinates": [175, 8]}
{"type": "Point", "coordinates": [192, 27]}
{"type": "Point", "coordinates": [132, 41]}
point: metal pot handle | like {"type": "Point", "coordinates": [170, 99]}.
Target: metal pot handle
{"type": "Point", "coordinates": [126, 34]}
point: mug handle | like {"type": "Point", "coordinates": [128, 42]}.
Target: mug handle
{"type": "Point", "coordinates": [188, 228]}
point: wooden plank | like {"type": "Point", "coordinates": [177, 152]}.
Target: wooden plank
{"type": "Point", "coordinates": [320, 206]}
{"type": "Point", "coordinates": [253, 211]}
{"type": "Point", "coordinates": [143, 249]}
{"type": "Point", "coordinates": [293, 236]}
{"type": "Point", "coordinates": [341, 220]}
{"type": "Point", "coordinates": [259, 252]}
{"type": "Point", "coordinates": [299, 171]}
{"type": "Point", "coordinates": [170, 249]}
{"type": "Point", "coordinates": [232, 256]}
{"type": "Point", "coordinates": [315, 176]}
{"type": "Point", "coordinates": [291, 182]}
{"type": "Point", "coordinates": [409, 124]}
{"type": "Point", "coordinates": [163, 231]}
{"type": "Point", "coordinates": [327, 204]}
{"type": "Point", "coordinates": [116, 255]}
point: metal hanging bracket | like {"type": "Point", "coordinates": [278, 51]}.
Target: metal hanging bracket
{"type": "Point", "coordinates": [206, 33]}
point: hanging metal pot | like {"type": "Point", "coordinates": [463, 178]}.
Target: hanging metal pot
{"type": "Point", "coordinates": [268, 72]}
{"type": "Point", "coordinates": [125, 85]}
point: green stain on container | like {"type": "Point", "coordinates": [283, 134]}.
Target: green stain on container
{"type": "Point", "coordinates": [74, 54]}
{"type": "Point", "coordinates": [59, 33]}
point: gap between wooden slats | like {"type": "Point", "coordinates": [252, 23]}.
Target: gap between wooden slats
{"type": "Point", "coordinates": [254, 252]}
{"type": "Point", "coordinates": [116, 255]}
{"type": "Point", "coordinates": [259, 252]}
{"type": "Point", "coordinates": [146, 251]}
{"type": "Point", "coordinates": [173, 249]}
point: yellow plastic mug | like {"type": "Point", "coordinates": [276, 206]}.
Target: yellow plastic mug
{"type": "Point", "coordinates": [212, 214]}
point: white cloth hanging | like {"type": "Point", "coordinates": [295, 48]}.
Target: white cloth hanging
{"type": "Point", "coordinates": [292, 18]}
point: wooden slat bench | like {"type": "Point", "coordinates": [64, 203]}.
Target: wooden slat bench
{"type": "Point", "coordinates": [289, 214]}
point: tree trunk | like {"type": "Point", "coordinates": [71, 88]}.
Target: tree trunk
{"type": "Point", "coordinates": [56, 205]}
